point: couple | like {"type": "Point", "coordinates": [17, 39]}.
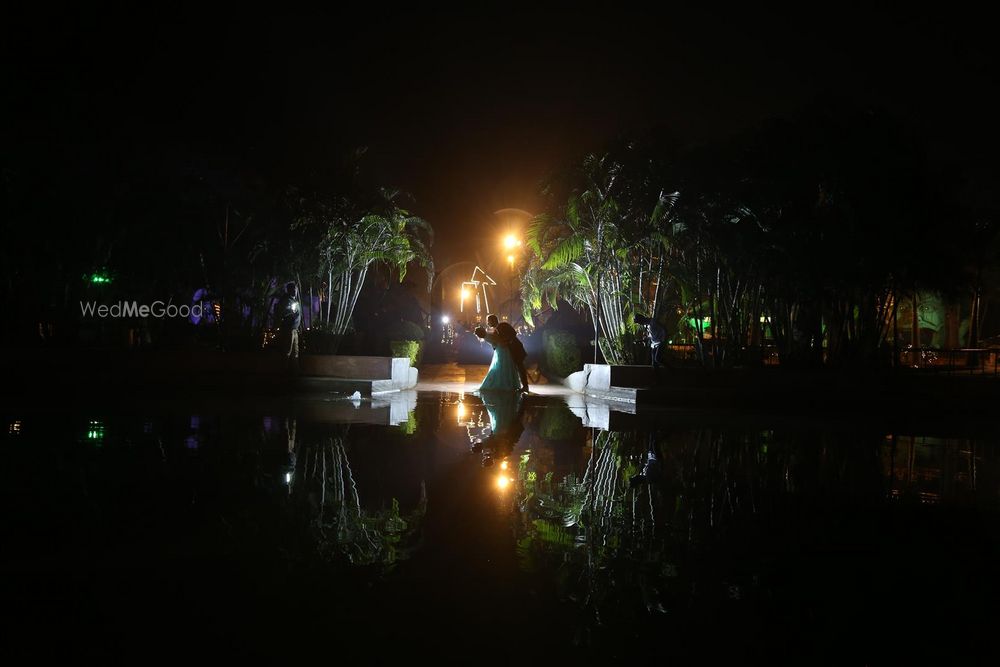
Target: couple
{"type": "Point", "coordinates": [507, 370]}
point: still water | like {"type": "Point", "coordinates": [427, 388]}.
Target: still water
{"type": "Point", "coordinates": [453, 527]}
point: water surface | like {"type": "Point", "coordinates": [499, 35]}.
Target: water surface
{"type": "Point", "coordinates": [494, 529]}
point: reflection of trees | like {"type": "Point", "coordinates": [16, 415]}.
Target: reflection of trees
{"type": "Point", "coordinates": [619, 549]}
{"type": "Point", "coordinates": [325, 492]}
{"type": "Point", "coordinates": [583, 529]}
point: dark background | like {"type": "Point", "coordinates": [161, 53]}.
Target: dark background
{"type": "Point", "coordinates": [468, 110]}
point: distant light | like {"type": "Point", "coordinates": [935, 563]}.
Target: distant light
{"type": "Point", "coordinates": [461, 411]}
{"type": "Point", "coordinates": [95, 431]}
{"type": "Point", "coordinates": [99, 278]}
{"type": "Point", "coordinates": [465, 294]}
{"type": "Point", "coordinates": [511, 242]}
{"type": "Point", "coordinates": [288, 478]}
{"type": "Point", "coordinates": [503, 465]}
{"type": "Point", "coordinates": [503, 482]}
{"type": "Point", "coordinates": [510, 258]}
{"type": "Point", "coordinates": [445, 319]}
{"type": "Point", "coordinates": [295, 306]}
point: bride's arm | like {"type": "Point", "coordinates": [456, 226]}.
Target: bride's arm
{"type": "Point", "coordinates": [494, 339]}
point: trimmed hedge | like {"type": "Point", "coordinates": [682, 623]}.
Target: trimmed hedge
{"type": "Point", "coordinates": [405, 330]}
{"type": "Point", "coordinates": [558, 423]}
{"type": "Point", "coordinates": [562, 352]}
{"type": "Point", "coordinates": [407, 348]}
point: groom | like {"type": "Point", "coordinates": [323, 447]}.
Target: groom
{"type": "Point", "coordinates": [508, 338]}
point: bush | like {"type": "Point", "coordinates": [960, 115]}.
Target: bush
{"type": "Point", "coordinates": [562, 353]}
{"type": "Point", "coordinates": [405, 330]}
{"type": "Point", "coordinates": [407, 348]}
{"type": "Point", "coordinates": [317, 341]}
{"type": "Point", "coordinates": [558, 423]}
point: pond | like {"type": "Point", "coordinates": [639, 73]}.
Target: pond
{"type": "Point", "coordinates": [496, 529]}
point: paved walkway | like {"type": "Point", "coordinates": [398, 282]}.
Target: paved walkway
{"type": "Point", "coordinates": [455, 377]}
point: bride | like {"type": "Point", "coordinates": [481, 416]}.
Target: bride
{"type": "Point", "coordinates": [503, 373]}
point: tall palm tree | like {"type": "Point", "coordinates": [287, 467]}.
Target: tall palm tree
{"type": "Point", "coordinates": [354, 237]}
{"type": "Point", "coordinates": [598, 252]}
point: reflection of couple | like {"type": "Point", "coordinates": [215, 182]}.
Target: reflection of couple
{"type": "Point", "coordinates": [507, 370]}
{"type": "Point", "coordinates": [506, 411]}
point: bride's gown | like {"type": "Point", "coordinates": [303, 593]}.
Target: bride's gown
{"type": "Point", "coordinates": [503, 371]}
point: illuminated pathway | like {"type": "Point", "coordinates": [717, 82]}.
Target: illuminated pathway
{"type": "Point", "coordinates": [452, 377]}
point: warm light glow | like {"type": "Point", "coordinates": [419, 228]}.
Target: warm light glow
{"type": "Point", "coordinates": [511, 242]}
{"type": "Point", "coordinates": [461, 411]}
{"type": "Point", "coordinates": [465, 294]}
{"type": "Point", "coordinates": [503, 482]}
{"type": "Point", "coordinates": [510, 258]}
{"type": "Point", "coordinates": [503, 465]}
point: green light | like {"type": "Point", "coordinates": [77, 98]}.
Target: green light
{"type": "Point", "coordinates": [95, 432]}
{"type": "Point", "coordinates": [98, 278]}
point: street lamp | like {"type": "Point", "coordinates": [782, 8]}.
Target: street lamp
{"type": "Point", "coordinates": [514, 220]}
{"type": "Point", "coordinates": [511, 242]}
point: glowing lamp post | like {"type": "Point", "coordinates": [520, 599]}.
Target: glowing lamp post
{"type": "Point", "coordinates": [510, 242]}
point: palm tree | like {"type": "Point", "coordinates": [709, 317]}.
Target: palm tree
{"type": "Point", "coordinates": [353, 238]}
{"type": "Point", "coordinates": [599, 252]}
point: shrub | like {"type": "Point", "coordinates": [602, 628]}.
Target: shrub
{"type": "Point", "coordinates": [405, 330]}
{"type": "Point", "coordinates": [558, 423]}
{"type": "Point", "coordinates": [318, 341]}
{"type": "Point", "coordinates": [562, 353]}
{"type": "Point", "coordinates": [407, 348]}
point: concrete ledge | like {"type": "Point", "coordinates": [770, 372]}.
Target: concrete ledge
{"type": "Point", "coordinates": [599, 413]}
{"type": "Point", "coordinates": [391, 410]}
{"type": "Point", "coordinates": [366, 386]}
{"type": "Point", "coordinates": [361, 368]}
{"type": "Point", "coordinates": [622, 394]}
{"type": "Point", "coordinates": [244, 371]}
{"type": "Point", "coordinates": [604, 376]}
{"type": "Point", "coordinates": [625, 384]}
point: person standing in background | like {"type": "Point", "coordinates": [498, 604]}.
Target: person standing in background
{"type": "Point", "coordinates": [289, 313]}
{"type": "Point", "coordinates": [656, 335]}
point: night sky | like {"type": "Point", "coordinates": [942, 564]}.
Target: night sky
{"type": "Point", "coordinates": [469, 110]}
